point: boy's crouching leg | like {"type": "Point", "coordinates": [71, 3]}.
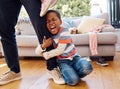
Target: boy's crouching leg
{"type": "Point", "coordinates": [82, 66]}
{"type": "Point", "coordinates": [85, 70]}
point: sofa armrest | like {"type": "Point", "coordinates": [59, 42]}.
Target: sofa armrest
{"type": "Point", "coordinates": [108, 29]}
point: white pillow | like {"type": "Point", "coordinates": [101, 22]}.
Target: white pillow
{"type": "Point", "coordinates": [88, 23]}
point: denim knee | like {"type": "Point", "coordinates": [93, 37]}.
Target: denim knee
{"type": "Point", "coordinates": [87, 70]}
{"type": "Point", "coordinates": [73, 82]}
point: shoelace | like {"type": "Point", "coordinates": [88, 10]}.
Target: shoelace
{"type": "Point", "coordinates": [5, 75]}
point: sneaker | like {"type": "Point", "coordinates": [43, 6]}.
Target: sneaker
{"type": "Point", "coordinates": [9, 77]}
{"type": "Point", "coordinates": [102, 62]}
{"type": "Point", "coordinates": [56, 76]}
{"type": "Point", "coordinates": [46, 4]}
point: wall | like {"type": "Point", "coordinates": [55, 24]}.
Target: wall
{"type": "Point", "coordinates": [98, 6]}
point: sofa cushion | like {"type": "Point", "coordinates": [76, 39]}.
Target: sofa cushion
{"type": "Point", "coordinates": [67, 22]}
{"type": "Point", "coordinates": [103, 50]}
{"type": "Point", "coordinates": [103, 16]}
{"type": "Point", "coordinates": [108, 29]}
{"type": "Point", "coordinates": [88, 23]}
{"type": "Point", "coordinates": [24, 27]}
{"type": "Point", "coordinates": [27, 41]}
{"type": "Point", "coordinates": [104, 38]}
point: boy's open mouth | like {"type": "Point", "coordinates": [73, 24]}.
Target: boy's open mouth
{"type": "Point", "coordinates": [52, 28]}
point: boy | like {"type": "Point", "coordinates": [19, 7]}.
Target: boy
{"type": "Point", "coordinates": [71, 65]}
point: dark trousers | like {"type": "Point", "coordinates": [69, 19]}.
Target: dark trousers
{"type": "Point", "coordinates": [9, 12]}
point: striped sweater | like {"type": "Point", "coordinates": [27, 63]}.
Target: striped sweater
{"type": "Point", "coordinates": [64, 47]}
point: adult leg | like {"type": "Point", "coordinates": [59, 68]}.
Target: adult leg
{"type": "Point", "coordinates": [69, 74]}
{"type": "Point", "coordinates": [9, 10]}
{"type": "Point", "coordinates": [82, 66]}
{"type": "Point", "coordinates": [33, 9]}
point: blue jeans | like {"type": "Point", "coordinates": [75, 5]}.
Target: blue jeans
{"type": "Point", "coordinates": [9, 12]}
{"type": "Point", "coordinates": [73, 70]}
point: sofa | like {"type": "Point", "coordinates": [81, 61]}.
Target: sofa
{"type": "Point", "coordinates": [27, 40]}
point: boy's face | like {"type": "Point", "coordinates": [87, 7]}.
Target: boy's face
{"type": "Point", "coordinates": [53, 23]}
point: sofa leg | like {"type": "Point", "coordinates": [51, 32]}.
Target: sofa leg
{"type": "Point", "coordinates": [94, 58]}
{"type": "Point", "coordinates": [107, 58]}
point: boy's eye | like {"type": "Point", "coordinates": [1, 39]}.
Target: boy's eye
{"type": "Point", "coordinates": [53, 19]}
{"type": "Point", "coordinates": [48, 21]}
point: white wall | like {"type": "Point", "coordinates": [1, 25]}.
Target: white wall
{"type": "Point", "coordinates": [98, 6]}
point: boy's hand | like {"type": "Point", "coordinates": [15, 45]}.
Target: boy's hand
{"type": "Point", "coordinates": [46, 42]}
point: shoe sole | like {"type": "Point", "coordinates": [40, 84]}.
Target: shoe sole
{"type": "Point", "coordinates": [56, 81]}
{"type": "Point", "coordinates": [3, 83]}
{"type": "Point", "coordinates": [53, 4]}
{"type": "Point", "coordinates": [46, 9]}
{"type": "Point", "coordinates": [103, 64]}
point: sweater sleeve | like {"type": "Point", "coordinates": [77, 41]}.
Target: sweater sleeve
{"type": "Point", "coordinates": [55, 52]}
{"type": "Point", "coordinates": [39, 50]}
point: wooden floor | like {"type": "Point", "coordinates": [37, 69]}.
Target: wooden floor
{"type": "Point", "coordinates": [35, 76]}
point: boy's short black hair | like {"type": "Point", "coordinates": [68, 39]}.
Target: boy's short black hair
{"type": "Point", "coordinates": [54, 11]}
